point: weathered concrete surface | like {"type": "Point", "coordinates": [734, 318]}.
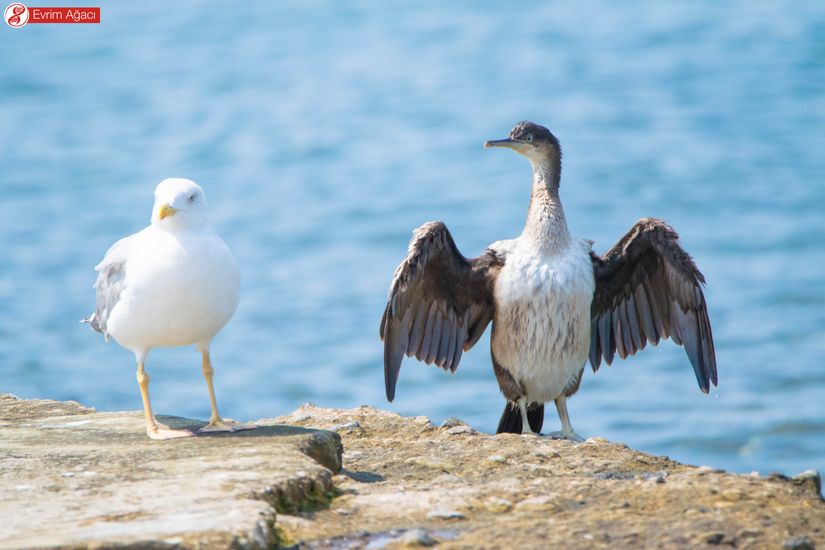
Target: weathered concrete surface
{"type": "Point", "coordinates": [73, 477]}
{"type": "Point", "coordinates": [406, 483]}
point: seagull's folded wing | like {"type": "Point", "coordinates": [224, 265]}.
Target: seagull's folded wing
{"type": "Point", "coordinates": [111, 273]}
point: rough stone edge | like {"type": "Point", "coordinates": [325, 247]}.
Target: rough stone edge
{"type": "Point", "coordinates": [305, 493]}
{"type": "Point", "coordinates": [301, 493]}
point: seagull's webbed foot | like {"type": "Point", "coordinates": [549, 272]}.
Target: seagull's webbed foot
{"type": "Point", "coordinates": [154, 429]}
{"type": "Point", "coordinates": [570, 436]}
{"type": "Point", "coordinates": [216, 423]}
{"type": "Point", "coordinates": [225, 425]}
{"type": "Point", "coordinates": [529, 432]}
{"type": "Point", "coordinates": [160, 432]}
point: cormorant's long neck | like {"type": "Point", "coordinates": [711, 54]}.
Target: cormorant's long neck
{"type": "Point", "coordinates": [546, 225]}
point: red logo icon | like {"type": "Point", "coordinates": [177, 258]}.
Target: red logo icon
{"type": "Point", "coordinates": [16, 15]}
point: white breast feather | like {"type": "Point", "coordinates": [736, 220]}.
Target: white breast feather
{"type": "Point", "coordinates": [178, 290]}
{"type": "Point", "coordinates": [542, 323]}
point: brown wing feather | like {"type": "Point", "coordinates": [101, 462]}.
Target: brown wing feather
{"type": "Point", "coordinates": [649, 288]}
{"type": "Point", "coordinates": [439, 303]}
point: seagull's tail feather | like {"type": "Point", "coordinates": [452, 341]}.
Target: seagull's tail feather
{"type": "Point", "coordinates": [92, 321]}
{"type": "Point", "coordinates": [510, 422]}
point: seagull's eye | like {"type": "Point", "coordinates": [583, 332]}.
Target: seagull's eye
{"type": "Point", "coordinates": [192, 197]}
{"type": "Point", "coordinates": [529, 138]}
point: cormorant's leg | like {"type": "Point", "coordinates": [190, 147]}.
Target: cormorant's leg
{"type": "Point", "coordinates": [566, 428]}
{"type": "Point", "coordinates": [525, 423]}
{"type": "Point", "coordinates": [154, 429]}
{"type": "Point", "coordinates": [216, 423]}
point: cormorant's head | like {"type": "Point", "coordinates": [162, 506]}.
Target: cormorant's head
{"type": "Point", "coordinates": [531, 140]}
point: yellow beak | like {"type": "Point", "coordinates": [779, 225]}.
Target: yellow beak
{"type": "Point", "coordinates": [166, 211]}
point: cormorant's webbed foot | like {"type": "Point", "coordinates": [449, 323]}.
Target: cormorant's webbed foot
{"type": "Point", "coordinates": [571, 436]}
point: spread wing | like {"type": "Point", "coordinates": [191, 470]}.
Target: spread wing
{"type": "Point", "coordinates": [647, 289]}
{"type": "Point", "coordinates": [111, 272]}
{"type": "Point", "coordinates": [439, 303]}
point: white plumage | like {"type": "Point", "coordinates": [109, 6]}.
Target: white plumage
{"type": "Point", "coordinates": [175, 283]}
{"type": "Point", "coordinates": [180, 288]}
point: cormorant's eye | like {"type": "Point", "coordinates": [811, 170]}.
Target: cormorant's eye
{"type": "Point", "coordinates": [529, 138]}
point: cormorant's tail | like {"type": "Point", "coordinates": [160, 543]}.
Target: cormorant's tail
{"type": "Point", "coordinates": [511, 418]}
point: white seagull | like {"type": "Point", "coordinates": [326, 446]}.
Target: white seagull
{"type": "Point", "coordinates": [175, 283]}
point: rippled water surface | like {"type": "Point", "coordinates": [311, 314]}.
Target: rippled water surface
{"type": "Point", "coordinates": [324, 133]}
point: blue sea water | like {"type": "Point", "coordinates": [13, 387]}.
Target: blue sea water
{"type": "Point", "coordinates": [324, 132]}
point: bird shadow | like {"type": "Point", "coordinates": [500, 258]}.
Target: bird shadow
{"type": "Point", "coordinates": [363, 476]}
{"type": "Point", "coordinates": [268, 430]}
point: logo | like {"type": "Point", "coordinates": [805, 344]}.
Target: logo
{"type": "Point", "coordinates": [16, 15]}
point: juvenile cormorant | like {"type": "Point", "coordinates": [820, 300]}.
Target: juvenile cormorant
{"type": "Point", "coordinates": [552, 301]}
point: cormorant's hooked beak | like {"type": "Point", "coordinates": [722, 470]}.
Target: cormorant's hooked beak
{"type": "Point", "coordinates": [513, 144]}
{"type": "Point", "coordinates": [165, 211]}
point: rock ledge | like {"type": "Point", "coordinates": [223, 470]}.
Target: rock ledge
{"type": "Point", "coordinates": [72, 477]}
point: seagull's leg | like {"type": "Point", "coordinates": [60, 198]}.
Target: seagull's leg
{"type": "Point", "coordinates": [216, 423]}
{"type": "Point", "coordinates": [525, 423]}
{"type": "Point", "coordinates": [154, 429]}
{"type": "Point", "coordinates": [566, 428]}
